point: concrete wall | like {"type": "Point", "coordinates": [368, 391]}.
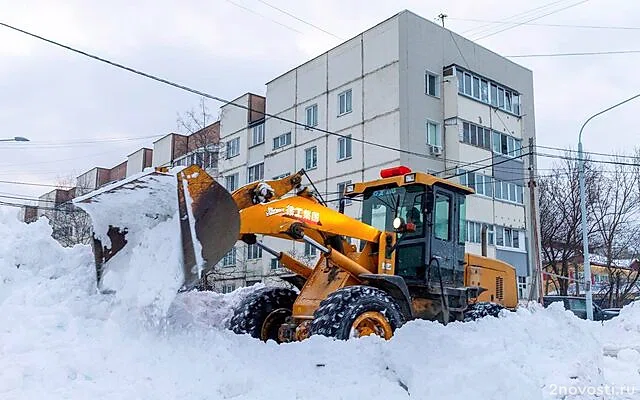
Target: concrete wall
{"type": "Point", "coordinates": [138, 161]}
{"type": "Point", "coordinates": [162, 151]}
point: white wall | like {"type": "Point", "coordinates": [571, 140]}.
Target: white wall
{"type": "Point", "coordinates": [135, 162]}
{"type": "Point", "coordinates": [162, 151]}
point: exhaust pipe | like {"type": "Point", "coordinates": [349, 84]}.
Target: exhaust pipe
{"type": "Point", "coordinates": [483, 240]}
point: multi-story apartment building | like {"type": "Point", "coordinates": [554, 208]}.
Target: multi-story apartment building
{"type": "Point", "coordinates": [436, 101]}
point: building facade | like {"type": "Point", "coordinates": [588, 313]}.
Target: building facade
{"type": "Point", "coordinates": [405, 92]}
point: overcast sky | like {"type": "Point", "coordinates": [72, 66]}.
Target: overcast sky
{"type": "Point", "coordinates": [79, 113]}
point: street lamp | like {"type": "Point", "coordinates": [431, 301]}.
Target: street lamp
{"type": "Point", "coordinates": [15, 139]}
{"type": "Point", "coordinates": [583, 211]}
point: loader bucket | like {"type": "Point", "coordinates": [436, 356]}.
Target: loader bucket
{"type": "Point", "coordinates": [204, 213]}
{"type": "Point", "coordinates": [208, 213]}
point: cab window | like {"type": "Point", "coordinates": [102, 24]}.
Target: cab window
{"type": "Point", "coordinates": [442, 217]}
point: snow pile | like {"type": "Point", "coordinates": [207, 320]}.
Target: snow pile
{"type": "Point", "coordinates": [60, 339]}
{"type": "Point", "coordinates": [146, 274]}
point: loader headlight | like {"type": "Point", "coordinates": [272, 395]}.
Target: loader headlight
{"type": "Point", "coordinates": [409, 178]}
{"type": "Point", "coordinates": [350, 188]}
{"type": "Point", "coordinates": [397, 223]}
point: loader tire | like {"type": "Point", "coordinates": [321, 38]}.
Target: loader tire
{"type": "Point", "coordinates": [481, 310]}
{"type": "Point", "coordinates": [262, 312]}
{"type": "Point", "coordinates": [356, 311]}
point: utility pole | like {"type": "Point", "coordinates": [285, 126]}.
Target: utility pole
{"type": "Point", "coordinates": [583, 209]}
{"type": "Point", "coordinates": [536, 284]}
{"type": "Point", "coordinates": [441, 17]}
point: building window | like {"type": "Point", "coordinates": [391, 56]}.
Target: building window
{"type": "Point", "coordinates": [508, 237]}
{"type": "Point", "coordinates": [233, 147]}
{"type": "Point", "coordinates": [309, 250]}
{"type": "Point", "coordinates": [344, 102]}
{"type": "Point", "coordinates": [474, 232]}
{"type": "Point", "coordinates": [344, 147]}
{"type": "Point", "coordinates": [311, 158]}
{"type": "Point", "coordinates": [341, 189]}
{"type": "Point", "coordinates": [432, 84]}
{"type": "Point", "coordinates": [467, 84]}
{"type": "Point", "coordinates": [228, 288]}
{"type": "Point", "coordinates": [231, 182]}
{"type": "Point", "coordinates": [312, 115]}
{"type": "Point", "coordinates": [494, 95]}
{"type": "Point", "coordinates": [257, 135]}
{"type": "Point", "coordinates": [254, 252]}
{"type": "Point", "coordinates": [275, 264]}
{"type": "Point", "coordinates": [255, 173]}
{"type": "Point", "coordinates": [476, 135]}
{"type": "Point", "coordinates": [282, 140]}
{"type": "Point", "coordinates": [488, 92]}
{"type": "Point", "coordinates": [506, 145]}
{"type": "Point", "coordinates": [433, 134]}
{"type": "Point", "coordinates": [482, 184]}
{"type": "Point", "coordinates": [484, 90]}
{"type": "Point", "coordinates": [229, 259]}
{"type": "Point", "coordinates": [509, 191]}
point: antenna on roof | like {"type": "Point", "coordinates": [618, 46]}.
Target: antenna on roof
{"type": "Point", "coordinates": [441, 17]}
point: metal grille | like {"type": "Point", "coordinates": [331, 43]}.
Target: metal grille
{"type": "Point", "coordinates": [500, 288]}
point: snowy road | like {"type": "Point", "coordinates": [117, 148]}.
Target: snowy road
{"type": "Point", "coordinates": [61, 340]}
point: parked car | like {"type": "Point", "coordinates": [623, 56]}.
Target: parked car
{"type": "Point", "coordinates": [578, 306]}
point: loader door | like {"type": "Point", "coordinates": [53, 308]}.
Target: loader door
{"type": "Point", "coordinates": [444, 237]}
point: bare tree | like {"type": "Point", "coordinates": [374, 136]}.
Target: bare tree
{"type": "Point", "coordinates": [560, 221]}
{"type": "Point", "coordinates": [616, 229]}
{"type": "Point", "coordinates": [70, 225]}
{"type": "Point", "coordinates": [202, 144]}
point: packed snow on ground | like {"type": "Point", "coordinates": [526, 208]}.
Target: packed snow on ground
{"type": "Point", "coordinates": [60, 339]}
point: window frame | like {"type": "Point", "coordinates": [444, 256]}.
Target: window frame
{"type": "Point", "coordinates": [449, 215]}
{"type": "Point", "coordinates": [438, 134]}
{"type": "Point", "coordinates": [346, 142]}
{"type": "Point", "coordinates": [254, 252]}
{"type": "Point", "coordinates": [347, 95]}
{"type": "Point", "coordinates": [428, 84]}
{"type": "Point", "coordinates": [314, 152]}
{"type": "Point", "coordinates": [236, 181]}
{"type": "Point", "coordinates": [257, 134]}
{"type": "Point", "coordinates": [280, 142]}
{"type": "Point", "coordinates": [230, 146]}
{"type": "Point", "coordinates": [249, 169]}
{"type": "Point", "coordinates": [230, 259]}
{"type": "Point", "coordinates": [484, 90]}
{"type": "Point", "coordinates": [311, 111]}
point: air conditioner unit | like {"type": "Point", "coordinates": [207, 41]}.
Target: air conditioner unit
{"type": "Point", "coordinates": [435, 150]}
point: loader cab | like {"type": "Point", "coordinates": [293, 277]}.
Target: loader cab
{"type": "Point", "coordinates": [432, 211]}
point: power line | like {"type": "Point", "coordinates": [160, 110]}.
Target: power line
{"type": "Point", "coordinates": [206, 95]}
{"type": "Point", "coordinates": [37, 144]}
{"type": "Point", "coordinates": [299, 19]}
{"type": "Point", "coordinates": [587, 152]}
{"type": "Point", "coordinates": [552, 25]}
{"type": "Point", "coordinates": [529, 20]}
{"type": "Point", "coordinates": [520, 14]}
{"type": "Point", "coordinates": [262, 15]}
{"type": "Point", "coordinates": [586, 53]}
{"type": "Point", "coordinates": [586, 160]}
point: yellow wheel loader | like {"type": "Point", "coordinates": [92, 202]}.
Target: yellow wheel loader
{"type": "Point", "coordinates": [403, 259]}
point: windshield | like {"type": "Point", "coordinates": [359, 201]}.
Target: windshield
{"type": "Point", "coordinates": [379, 208]}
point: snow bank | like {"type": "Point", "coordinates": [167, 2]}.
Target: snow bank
{"type": "Point", "coordinates": [59, 339]}
{"type": "Point", "coordinates": [147, 273]}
